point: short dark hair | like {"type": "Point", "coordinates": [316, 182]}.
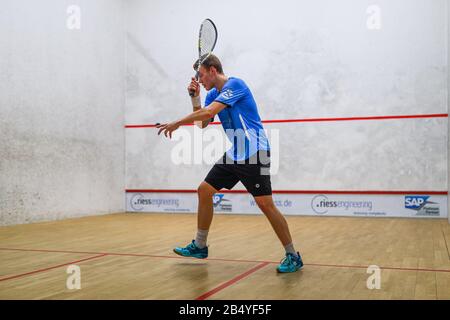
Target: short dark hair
{"type": "Point", "coordinates": [210, 61]}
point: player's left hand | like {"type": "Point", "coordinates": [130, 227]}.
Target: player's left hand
{"type": "Point", "coordinates": [168, 128]}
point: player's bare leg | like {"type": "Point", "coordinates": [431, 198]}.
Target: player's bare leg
{"type": "Point", "coordinates": [293, 261]}
{"type": "Point", "coordinates": [205, 205]}
{"type": "Point", "coordinates": [276, 218]}
{"type": "Point", "coordinates": [198, 248]}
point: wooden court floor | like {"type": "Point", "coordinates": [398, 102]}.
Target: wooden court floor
{"type": "Point", "coordinates": [129, 256]}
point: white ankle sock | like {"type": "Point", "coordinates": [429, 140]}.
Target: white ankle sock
{"type": "Point", "coordinates": [200, 239]}
{"type": "Point", "coordinates": [290, 249]}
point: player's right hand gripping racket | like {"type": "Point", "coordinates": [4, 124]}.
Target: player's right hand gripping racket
{"type": "Point", "coordinates": [207, 39]}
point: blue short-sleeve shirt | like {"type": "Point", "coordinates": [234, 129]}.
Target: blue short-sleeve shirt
{"type": "Point", "coordinates": [240, 119]}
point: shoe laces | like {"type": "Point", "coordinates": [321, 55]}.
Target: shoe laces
{"type": "Point", "coordinates": [192, 245]}
{"type": "Point", "coordinates": [287, 260]}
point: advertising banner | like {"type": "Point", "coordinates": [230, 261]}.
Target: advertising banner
{"type": "Point", "coordinates": [407, 205]}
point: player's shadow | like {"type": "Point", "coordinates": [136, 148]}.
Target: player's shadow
{"type": "Point", "coordinates": [288, 278]}
{"type": "Point", "coordinates": [145, 53]}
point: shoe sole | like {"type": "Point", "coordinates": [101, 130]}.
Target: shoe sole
{"type": "Point", "coordinates": [193, 256]}
{"type": "Point", "coordinates": [290, 271]}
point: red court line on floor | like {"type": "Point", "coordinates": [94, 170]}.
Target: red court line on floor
{"type": "Point", "coordinates": [131, 255]}
{"type": "Point", "coordinates": [232, 281]}
{"type": "Point", "coordinates": [51, 251]}
{"type": "Point", "coordinates": [382, 268]}
{"type": "Point", "coordinates": [128, 255]}
{"type": "Point", "coordinates": [224, 260]}
{"type": "Point", "coordinates": [50, 268]}
{"type": "Point", "coordinates": [373, 192]}
{"type": "Point", "coordinates": [414, 116]}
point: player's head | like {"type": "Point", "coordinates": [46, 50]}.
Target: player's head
{"type": "Point", "coordinates": [209, 70]}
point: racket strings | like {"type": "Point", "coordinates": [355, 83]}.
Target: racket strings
{"type": "Point", "coordinates": [208, 38]}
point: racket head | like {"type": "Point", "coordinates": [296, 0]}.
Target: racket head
{"type": "Point", "coordinates": [207, 37]}
{"type": "Point", "coordinates": [207, 40]}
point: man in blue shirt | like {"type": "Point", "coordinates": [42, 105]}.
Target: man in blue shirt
{"type": "Point", "coordinates": [247, 161]}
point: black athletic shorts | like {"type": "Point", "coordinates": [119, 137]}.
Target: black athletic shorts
{"type": "Point", "coordinates": [252, 172]}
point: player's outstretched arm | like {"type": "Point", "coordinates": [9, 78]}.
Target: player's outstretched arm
{"type": "Point", "coordinates": [204, 114]}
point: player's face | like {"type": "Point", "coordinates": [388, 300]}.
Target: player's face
{"type": "Point", "coordinates": [207, 77]}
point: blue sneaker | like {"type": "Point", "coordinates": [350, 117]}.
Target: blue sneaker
{"type": "Point", "coordinates": [191, 250]}
{"type": "Point", "coordinates": [290, 263]}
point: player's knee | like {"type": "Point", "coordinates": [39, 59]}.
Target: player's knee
{"type": "Point", "coordinates": [205, 190]}
{"type": "Point", "coordinates": [265, 204]}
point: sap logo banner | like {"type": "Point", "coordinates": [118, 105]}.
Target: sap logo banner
{"type": "Point", "coordinates": [222, 204]}
{"type": "Point", "coordinates": [422, 206]}
{"type": "Point", "coordinates": [416, 202]}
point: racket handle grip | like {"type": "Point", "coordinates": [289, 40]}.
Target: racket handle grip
{"type": "Point", "coordinates": [192, 92]}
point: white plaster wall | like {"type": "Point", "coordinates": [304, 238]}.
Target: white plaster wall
{"type": "Point", "coordinates": [61, 110]}
{"type": "Point", "coordinates": [302, 59]}
{"type": "Point", "coordinates": [448, 104]}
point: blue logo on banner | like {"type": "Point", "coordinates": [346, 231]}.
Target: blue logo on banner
{"type": "Point", "coordinates": [217, 199]}
{"type": "Point", "coordinates": [222, 204]}
{"type": "Point", "coordinates": [416, 202]}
